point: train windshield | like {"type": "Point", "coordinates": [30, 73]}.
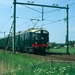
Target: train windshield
{"type": "Point", "coordinates": [44, 35]}
{"type": "Point", "coordinates": [37, 35]}
{"type": "Point", "coordinates": [45, 32]}
{"type": "Point", "coordinates": [41, 35]}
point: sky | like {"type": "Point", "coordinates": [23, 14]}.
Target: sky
{"type": "Point", "coordinates": [28, 16]}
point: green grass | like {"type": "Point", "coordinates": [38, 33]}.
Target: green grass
{"type": "Point", "coordinates": [15, 63]}
{"type": "Point", "coordinates": [21, 64]}
{"type": "Point", "coordinates": [63, 50]}
{"type": "Point", "coordinates": [56, 68]}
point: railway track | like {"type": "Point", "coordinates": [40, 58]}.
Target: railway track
{"type": "Point", "coordinates": [62, 57]}
{"type": "Point", "coordinates": [51, 56]}
{"type": "Point", "coordinates": [54, 56]}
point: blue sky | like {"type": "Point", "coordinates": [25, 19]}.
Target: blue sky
{"type": "Point", "coordinates": [53, 18]}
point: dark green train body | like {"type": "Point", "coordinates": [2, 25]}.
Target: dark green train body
{"type": "Point", "coordinates": [32, 40]}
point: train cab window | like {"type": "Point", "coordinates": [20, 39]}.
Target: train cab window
{"type": "Point", "coordinates": [38, 32]}
{"type": "Point", "coordinates": [45, 32]}
{"type": "Point", "coordinates": [45, 35]}
{"type": "Point", "coordinates": [37, 35]}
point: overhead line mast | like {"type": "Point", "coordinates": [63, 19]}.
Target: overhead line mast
{"type": "Point", "coordinates": [14, 27]}
{"type": "Point", "coordinates": [32, 4]}
{"type": "Point", "coordinates": [67, 34]}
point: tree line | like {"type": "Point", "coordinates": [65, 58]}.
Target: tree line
{"type": "Point", "coordinates": [59, 45]}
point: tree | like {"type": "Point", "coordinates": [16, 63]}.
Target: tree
{"type": "Point", "coordinates": [71, 43]}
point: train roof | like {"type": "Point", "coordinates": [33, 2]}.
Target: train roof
{"type": "Point", "coordinates": [30, 30]}
{"type": "Point", "coordinates": [35, 29]}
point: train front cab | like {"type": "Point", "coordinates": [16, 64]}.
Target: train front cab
{"type": "Point", "coordinates": [41, 41]}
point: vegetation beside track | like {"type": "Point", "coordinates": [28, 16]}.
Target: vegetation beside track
{"type": "Point", "coordinates": [11, 63]}
{"type": "Point", "coordinates": [21, 64]}
{"type": "Point", "coordinates": [62, 50]}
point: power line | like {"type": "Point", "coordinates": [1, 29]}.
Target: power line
{"type": "Point", "coordinates": [23, 23]}
{"type": "Point", "coordinates": [55, 21]}
{"type": "Point", "coordinates": [5, 18]}
{"type": "Point", "coordinates": [23, 18]}
{"type": "Point", "coordinates": [39, 12]}
{"type": "Point", "coordinates": [32, 9]}
{"type": "Point", "coordinates": [58, 20]}
{"type": "Point", "coordinates": [45, 13]}
{"type": "Point", "coordinates": [7, 14]}
{"type": "Point", "coordinates": [48, 13]}
{"type": "Point", "coordinates": [52, 11]}
{"type": "Point", "coordinates": [21, 11]}
{"type": "Point", "coordinates": [6, 22]}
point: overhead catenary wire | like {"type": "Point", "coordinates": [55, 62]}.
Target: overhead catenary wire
{"type": "Point", "coordinates": [48, 13]}
{"type": "Point", "coordinates": [47, 20]}
{"type": "Point", "coordinates": [22, 17]}
{"type": "Point", "coordinates": [22, 10]}
{"type": "Point", "coordinates": [45, 13]}
{"type": "Point", "coordinates": [39, 11]}
{"type": "Point", "coordinates": [35, 10]}
{"type": "Point", "coordinates": [52, 11]}
{"type": "Point", "coordinates": [58, 20]}
{"type": "Point", "coordinates": [23, 23]}
{"type": "Point", "coordinates": [5, 18]}
{"type": "Point", "coordinates": [29, 21]}
{"type": "Point", "coordinates": [6, 15]}
{"type": "Point", "coordinates": [5, 22]}
{"type": "Point", "coordinates": [32, 8]}
{"type": "Point", "coordinates": [55, 21]}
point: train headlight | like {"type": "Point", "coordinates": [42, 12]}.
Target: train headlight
{"type": "Point", "coordinates": [42, 38]}
{"type": "Point", "coordinates": [33, 35]}
{"type": "Point", "coordinates": [36, 38]}
{"type": "Point", "coordinates": [47, 42]}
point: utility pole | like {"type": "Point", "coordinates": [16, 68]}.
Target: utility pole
{"type": "Point", "coordinates": [67, 35]}
{"type": "Point", "coordinates": [14, 27]}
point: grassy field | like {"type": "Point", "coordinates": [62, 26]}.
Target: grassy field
{"type": "Point", "coordinates": [15, 63]}
{"type": "Point", "coordinates": [63, 50]}
{"type": "Point", "coordinates": [21, 64]}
